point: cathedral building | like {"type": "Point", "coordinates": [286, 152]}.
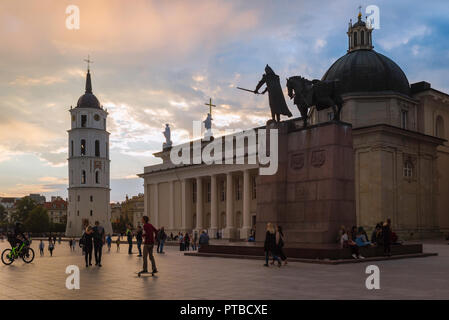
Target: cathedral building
{"type": "Point", "coordinates": [89, 188]}
{"type": "Point", "coordinates": [401, 157]}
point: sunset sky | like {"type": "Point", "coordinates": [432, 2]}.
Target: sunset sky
{"type": "Point", "coordinates": [158, 62]}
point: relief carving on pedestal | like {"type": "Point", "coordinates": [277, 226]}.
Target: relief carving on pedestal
{"type": "Point", "coordinates": [297, 161]}
{"type": "Point", "coordinates": [318, 158]}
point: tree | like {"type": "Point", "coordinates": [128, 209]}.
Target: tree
{"type": "Point", "coordinates": [37, 220]}
{"type": "Point", "coordinates": [23, 208]}
{"type": "Point", "coordinates": [3, 214]}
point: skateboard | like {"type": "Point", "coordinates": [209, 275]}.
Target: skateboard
{"type": "Point", "coordinates": [148, 273]}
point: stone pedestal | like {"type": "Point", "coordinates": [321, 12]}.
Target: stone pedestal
{"type": "Point", "coordinates": [312, 194]}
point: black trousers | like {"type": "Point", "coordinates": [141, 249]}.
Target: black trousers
{"type": "Point", "coordinates": [88, 254]}
{"type": "Point", "coordinates": [98, 248]}
{"type": "Point", "coordinates": [130, 248]}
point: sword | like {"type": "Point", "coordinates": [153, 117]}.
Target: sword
{"type": "Point", "coordinates": [252, 91]}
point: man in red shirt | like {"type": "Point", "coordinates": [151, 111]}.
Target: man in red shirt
{"type": "Point", "coordinates": [149, 232]}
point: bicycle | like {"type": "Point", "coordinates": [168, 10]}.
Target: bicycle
{"type": "Point", "coordinates": [22, 251]}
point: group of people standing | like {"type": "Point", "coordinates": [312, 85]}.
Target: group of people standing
{"type": "Point", "coordinates": [273, 245]}
{"type": "Point", "coordinates": [160, 239]}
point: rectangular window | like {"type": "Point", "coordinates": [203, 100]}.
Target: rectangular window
{"type": "Point", "coordinates": [404, 116]}
{"type": "Point", "coordinates": [83, 120]}
{"type": "Point", "coordinates": [97, 148]}
{"type": "Point", "coordinates": [71, 148]}
{"type": "Point", "coordinates": [83, 147]}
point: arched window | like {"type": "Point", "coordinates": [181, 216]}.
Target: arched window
{"type": "Point", "coordinates": [91, 213]}
{"type": "Point", "coordinates": [362, 38]}
{"type": "Point", "coordinates": [107, 150]}
{"type": "Point", "coordinates": [355, 39]}
{"type": "Point", "coordinates": [408, 169]}
{"type": "Point", "coordinates": [83, 147]}
{"type": "Point", "coordinates": [83, 120]}
{"type": "Point", "coordinates": [83, 177]}
{"type": "Point", "coordinates": [97, 148]}
{"type": "Point", "coordinates": [97, 176]}
{"type": "Point", "coordinates": [71, 148]}
{"type": "Point", "coordinates": [439, 127]}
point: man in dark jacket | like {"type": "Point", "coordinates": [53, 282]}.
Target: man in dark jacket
{"type": "Point", "coordinates": [276, 98]}
{"type": "Point", "coordinates": [99, 240]}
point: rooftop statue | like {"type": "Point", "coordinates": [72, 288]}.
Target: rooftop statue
{"type": "Point", "coordinates": [167, 135]}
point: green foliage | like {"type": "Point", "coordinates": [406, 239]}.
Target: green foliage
{"type": "Point", "coordinates": [23, 208]}
{"type": "Point", "coordinates": [37, 221]}
{"type": "Point", "coordinates": [3, 214]}
{"type": "Point", "coordinates": [57, 227]}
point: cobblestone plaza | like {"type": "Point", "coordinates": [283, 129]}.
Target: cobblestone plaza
{"type": "Point", "coordinates": [189, 277]}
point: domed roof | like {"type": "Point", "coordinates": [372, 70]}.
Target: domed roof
{"type": "Point", "coordinates": [88, 99]}
{"type": "Point", "coordinates": [368, 71]}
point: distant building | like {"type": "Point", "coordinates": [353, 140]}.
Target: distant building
{"type": "Point", "coordinates": [37, 198]}
{"type": "Point", "coordinates": [57, 210]}
{"type": "Point", "coordinates": [133, 209]}
{"type": "Point", "coordinates": [9, 203]}
{"type": "Point", "coordinates": [116, 212]}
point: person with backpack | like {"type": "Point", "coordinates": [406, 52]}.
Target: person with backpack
{"type": "Point", "coordinates": [86, 243]}
{"type": "Point", "coordinates": [51, 247]}
{"type": "Point", "coordinates": [99, 240]}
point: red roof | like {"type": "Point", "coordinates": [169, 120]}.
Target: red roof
{"type": "Point", "coordinates": [58, 204]}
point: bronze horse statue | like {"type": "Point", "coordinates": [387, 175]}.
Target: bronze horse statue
{"type": "Point", "coordinates": [321, 94]}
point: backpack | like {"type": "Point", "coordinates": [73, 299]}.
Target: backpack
{"type": "Point", "coordinates": [83, 240]}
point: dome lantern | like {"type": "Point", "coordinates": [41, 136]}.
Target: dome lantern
{"type": "Point", "coordinates": [359, 35]}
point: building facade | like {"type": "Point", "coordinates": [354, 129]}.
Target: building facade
{"type": "Point", "coordinates": [89, 188]}
{"type": "Point", "coordinates": [401, 157]}
{"type": "Point", "coordinates": [56, 210]}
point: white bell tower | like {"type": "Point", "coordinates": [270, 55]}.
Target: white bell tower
{"type": "Point", "coordinates": [89, 188]}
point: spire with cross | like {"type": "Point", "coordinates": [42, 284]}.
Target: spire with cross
{"type": "Point", "coordinates": [210, 106]}
{"type": "Point", "coordinates": [88, 62]}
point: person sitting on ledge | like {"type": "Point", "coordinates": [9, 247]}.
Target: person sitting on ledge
{"type": "Point", "coordinates": [345, 242]}
{"type": "Point", "coordinates": [361, 239]}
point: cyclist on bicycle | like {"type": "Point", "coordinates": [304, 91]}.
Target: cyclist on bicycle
{"type": "Point", "coordinates": [19, 236]}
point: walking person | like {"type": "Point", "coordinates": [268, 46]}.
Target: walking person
{"type": "Point", "coordinates": [41, 248]}
{"type": "Point", "coordinates": [99, 240]}
{"type": "Point", "coordinates": [117, 242]}
{"type": "Point", "coordinates": [162, 236]}
{"type": "Point", "coordinates": [109, 242]}
{"type": "Point", "coordinates": [51, 247]}
{"type": "Point", "coordinates": [149, 231]}
{"type": "Point", "coordinates": [70, 244]}
{"type": "Point", "coordinates": [59, 240]}
{"type": "Point", "coordinates": [87, 243]}
{"type": "Point", "coordinates": [204, 239]}
{"type": "Point", "coordinates": [181, 242]}
{"type": "Point", "coordinates": [73, 244]}
{"type": "Point", "coordinates": [280, 245]}
{"type": "Point", "coordinates": [129, 236]}
{"type": "Point", "coordinates": [139, 238]}
{"type": "Point", "coordinates": [195, 240]}
{"type": "Point", "coordinates": [186, 242]}
{"type": "Point", "coordinates": [270, 247]}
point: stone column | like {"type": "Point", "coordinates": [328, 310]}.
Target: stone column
{"type": "Point", "coordinates": [199, 204]}
{"type": "Point", "coordinates": [229, 231]}
{"type": "Point", "coordinates": [171, 205]}
{"type": "Point", "coordinates": [213, 206]}
{"type": "Point", "coordinates": [146, 202]}
{"type": "Point", "coordinates": [156, 205]}
{"type": "Point", "coordinates": [244, 231]}
{"type": "Point", "coordinates": [184, 224]}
